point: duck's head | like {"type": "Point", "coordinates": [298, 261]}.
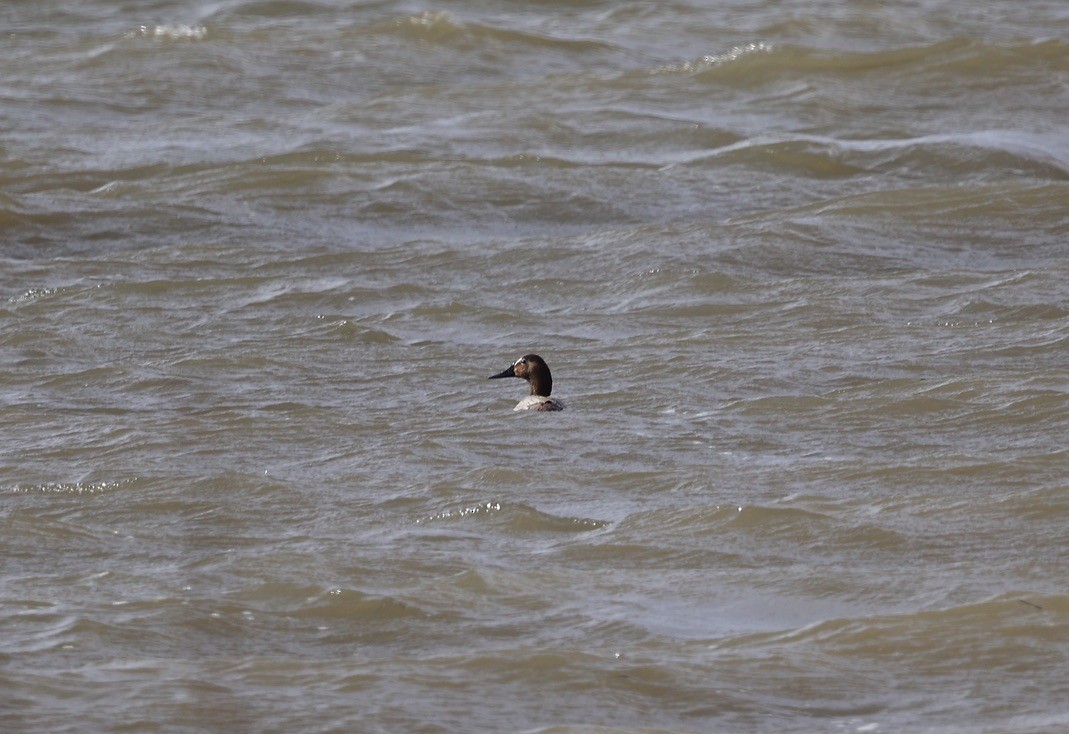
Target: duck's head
{"type": "Point", "coordinates": [532, 368]}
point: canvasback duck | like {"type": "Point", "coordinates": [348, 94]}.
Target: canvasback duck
{"type": "Point", "coordinates": [534, 369]}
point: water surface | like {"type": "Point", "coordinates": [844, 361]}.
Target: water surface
{"type": "Point", "coordinates": [799, 270]}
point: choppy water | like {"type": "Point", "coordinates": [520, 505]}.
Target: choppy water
{"type": "Point", "coordinates": [799, 268]}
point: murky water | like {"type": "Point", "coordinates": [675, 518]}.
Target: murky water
{"type": "Point", "coordinates": [799, 271]}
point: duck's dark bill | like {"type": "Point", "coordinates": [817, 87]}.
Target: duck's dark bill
{"type": "Point", "coordinates": [510, 372]}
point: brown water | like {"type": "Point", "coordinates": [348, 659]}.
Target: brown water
{"type": "Point", "coordinates": [799, 269]}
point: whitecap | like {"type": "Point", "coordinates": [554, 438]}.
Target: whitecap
{"type": "Point", "coordinates": [709, 61]}
{"type": "Point", "coordinates": [174, 31]}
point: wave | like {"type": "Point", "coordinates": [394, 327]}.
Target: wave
{"type": "Point", "coordinates": [442, 28]}
{"type": "Point", "coordinates": [926, 636]}
{"type": "Point", "coordinates": [68, 488]}
{"type": "Point", "coordinates": [517, 517]}
{"type": "Point", "coordinates": [173, 32]}
{"type": "Point", "coordinates": [962, 154]}
{"type": "Point", "coordinates": [903, 228]}
{"type": "Point", "coordinates": [760, 62]}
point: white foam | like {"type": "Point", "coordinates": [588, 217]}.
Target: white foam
{"type": "Point", "coordinates": [709, 61]}
{"type": "Point", "coordinates": [175, 31]}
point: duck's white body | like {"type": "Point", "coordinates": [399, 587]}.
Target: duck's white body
{"type": "Point", "coordinates": [539, 402]}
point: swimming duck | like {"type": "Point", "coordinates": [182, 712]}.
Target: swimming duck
{"type": "Point", "coordinates": [534, 369]}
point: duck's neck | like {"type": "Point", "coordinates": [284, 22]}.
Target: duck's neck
{"type": "Point", "coordinates": [541, 384]}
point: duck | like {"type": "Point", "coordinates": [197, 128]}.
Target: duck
{"type": "Point", "coordinates": [534, 369]}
